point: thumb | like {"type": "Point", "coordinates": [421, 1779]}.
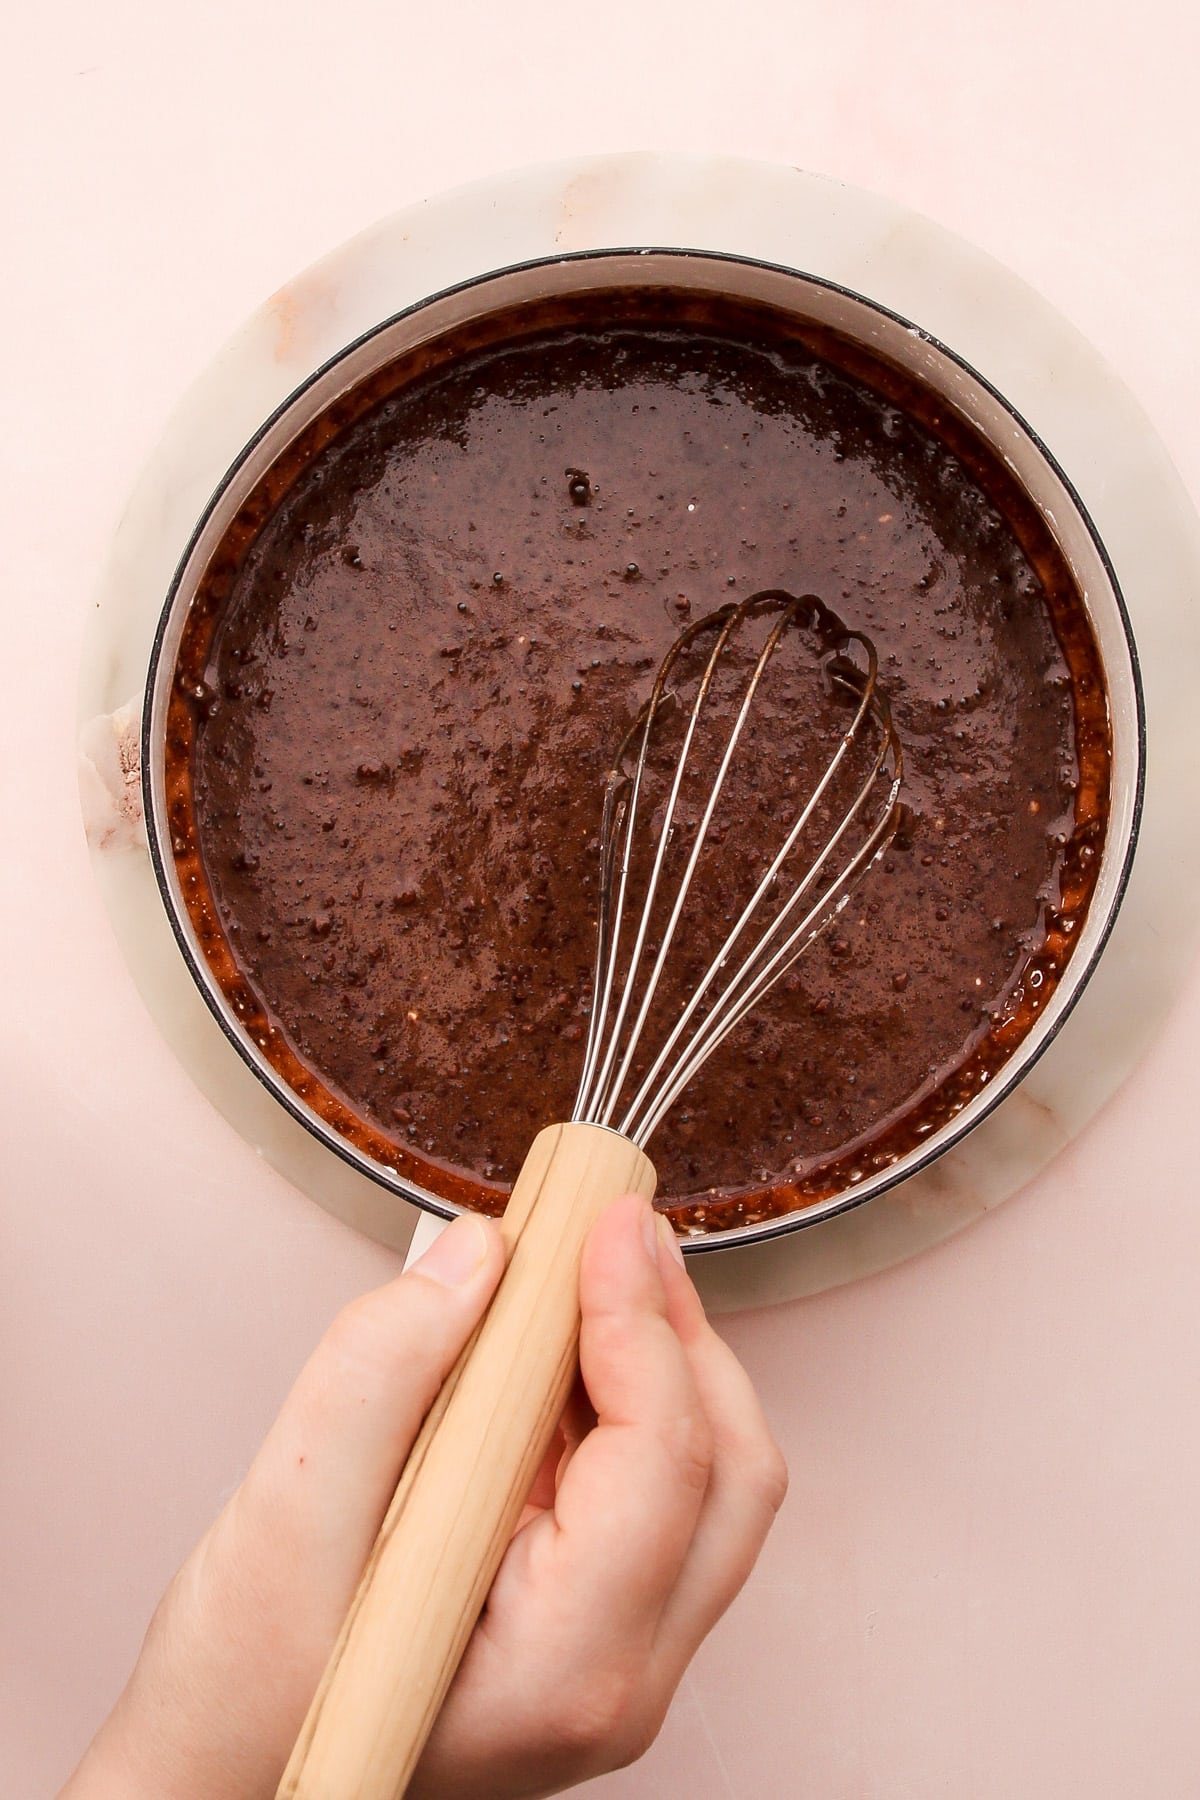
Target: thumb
{"type": "Point", "coordinates": [237, 1646]}
{"type": "Point", "coordinates": [331, 1461]}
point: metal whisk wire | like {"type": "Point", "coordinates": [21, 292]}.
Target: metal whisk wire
{"type": "Point", "coordinates": [610, 1049]}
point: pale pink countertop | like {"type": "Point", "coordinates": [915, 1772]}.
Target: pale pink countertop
{"type": "Point", "coordinates": [984, 1584]}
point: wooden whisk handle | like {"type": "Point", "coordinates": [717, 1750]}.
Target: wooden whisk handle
{"type": "Point", "coordinates": [465, 1483]}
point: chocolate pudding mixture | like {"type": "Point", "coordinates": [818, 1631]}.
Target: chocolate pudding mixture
{"type": "Point", "coordinates": [413, 659]}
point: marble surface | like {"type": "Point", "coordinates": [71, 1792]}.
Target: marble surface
{"type": "Point", "coordinates": [950, 291]}
{"type": "Point", "coordinates": [983, 1582]}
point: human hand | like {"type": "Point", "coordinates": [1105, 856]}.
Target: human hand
{"type": "Point", "coordinates": [643, 1525]}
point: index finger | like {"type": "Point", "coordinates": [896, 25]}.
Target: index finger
{"type": "Point", "coordinates": [629, 1500]}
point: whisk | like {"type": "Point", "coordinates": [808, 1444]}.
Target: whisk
{"type": "Point", "coordinates": [666, 805]}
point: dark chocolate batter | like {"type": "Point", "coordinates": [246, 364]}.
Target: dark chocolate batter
{"type": "Point", "coordinates": [415, 655]}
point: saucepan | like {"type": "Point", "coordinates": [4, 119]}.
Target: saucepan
{"type": "Point", "coordinates": [959, 388]}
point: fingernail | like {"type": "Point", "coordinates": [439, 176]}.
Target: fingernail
{"type": "Point", "coordinates": [650, 1234]}
{"type": "Point", "coordinates": [667, 1238]}
{"type": "Point", "coordinates": [452, 1259]}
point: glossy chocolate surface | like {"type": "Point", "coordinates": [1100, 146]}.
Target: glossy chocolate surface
{"type": "Point", "coordinates": [411, 662]}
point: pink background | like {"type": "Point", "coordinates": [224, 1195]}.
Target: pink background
{"type": "Point", "coordinates": [984, 1583]}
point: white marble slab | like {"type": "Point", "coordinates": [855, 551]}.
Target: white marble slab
{"type": "Point", "coordinates": [982, 312]}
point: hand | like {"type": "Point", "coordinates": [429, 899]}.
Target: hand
{"type": "Point", "coordinates": [643, 1525]}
